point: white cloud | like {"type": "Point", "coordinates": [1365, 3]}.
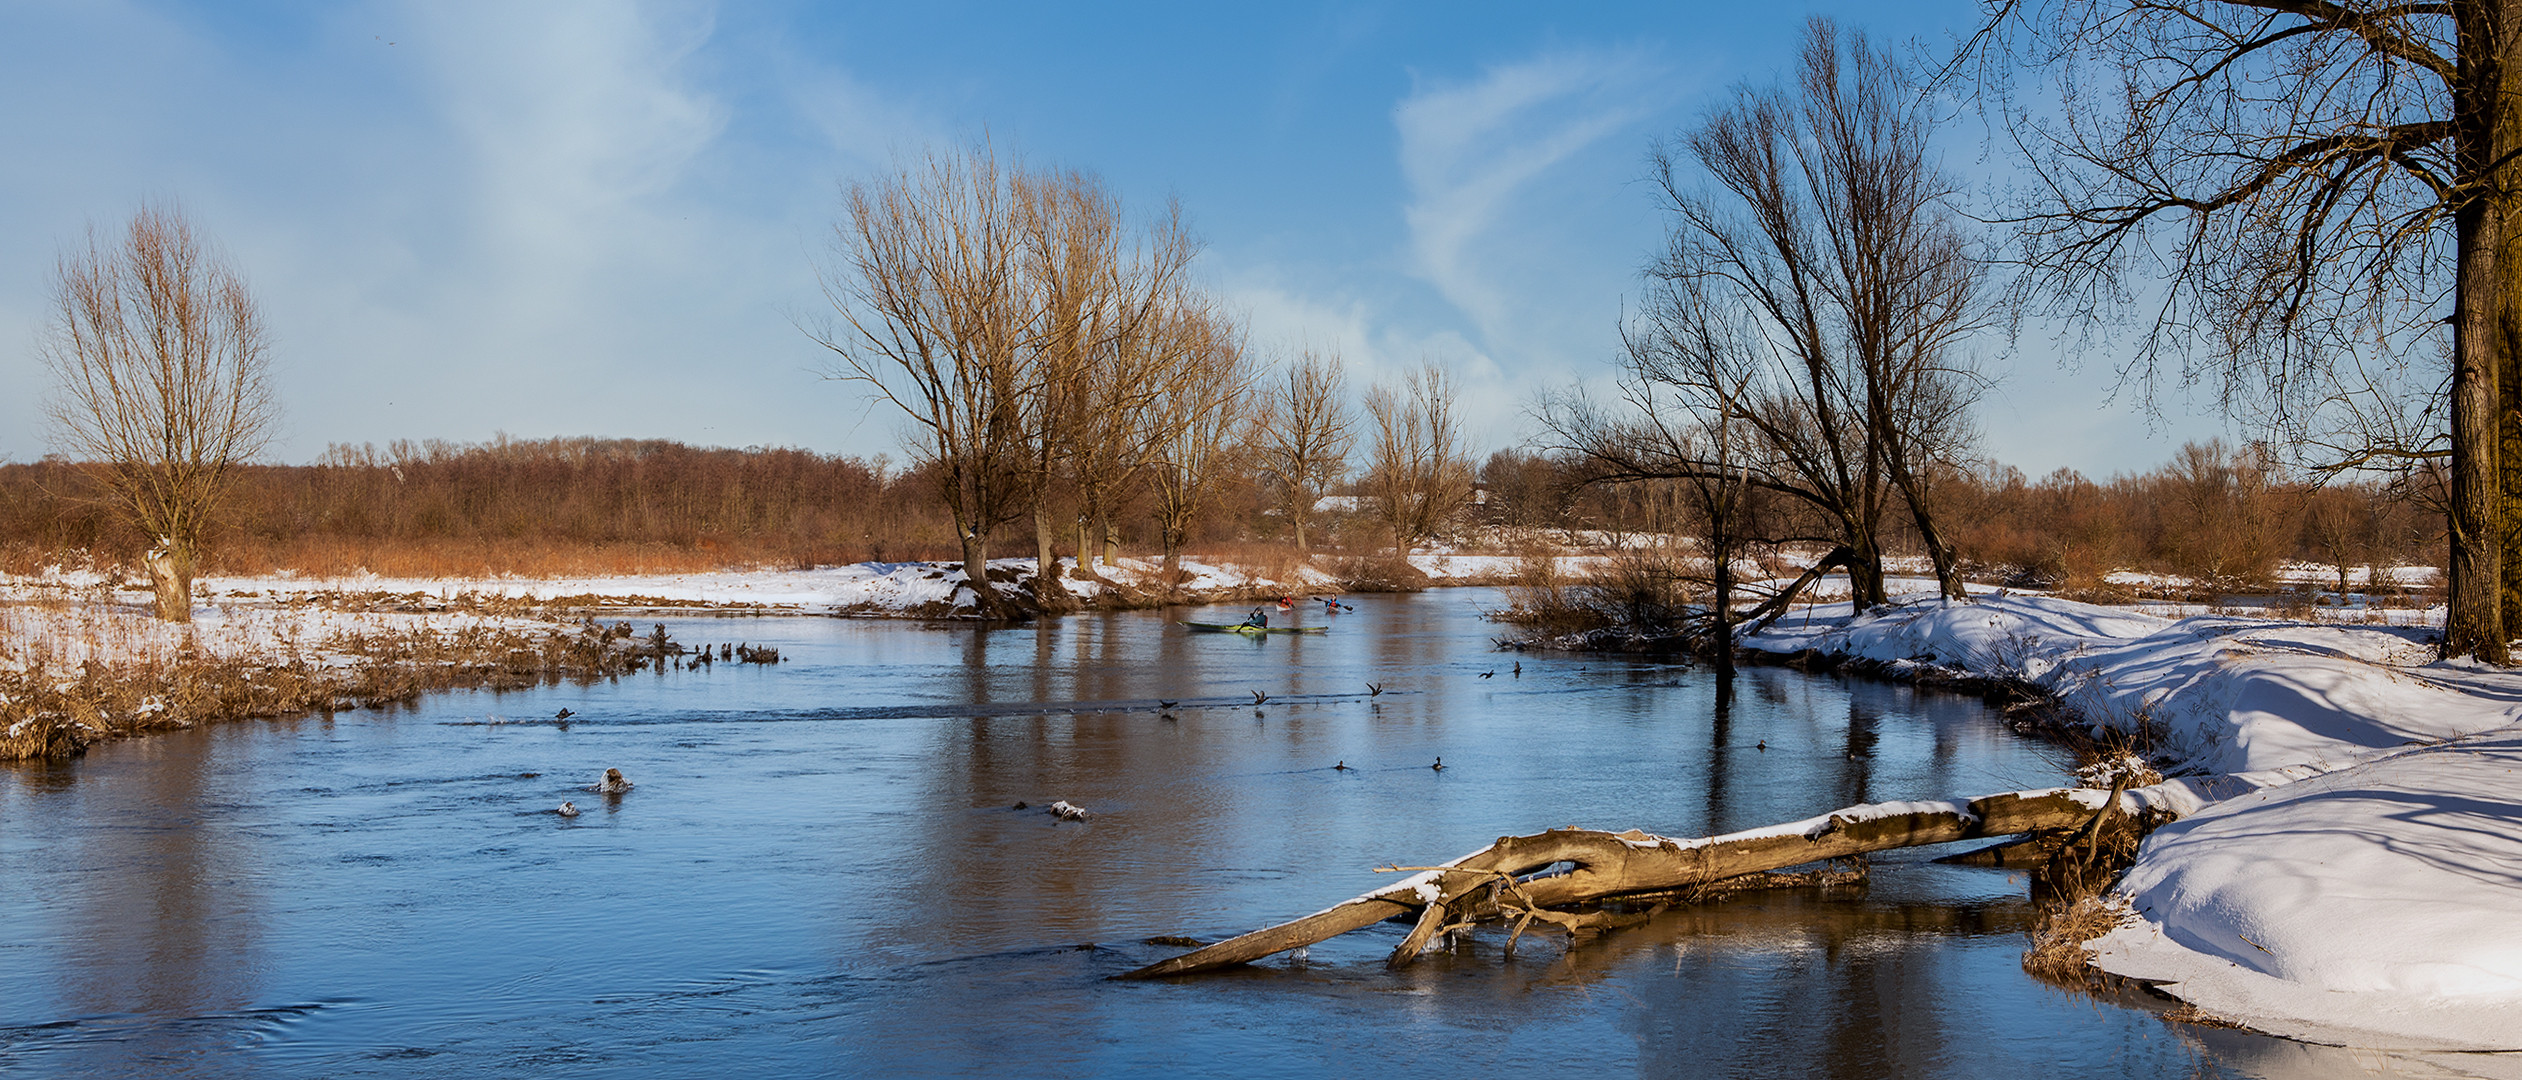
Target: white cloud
{"type": "Point", "coordinates": [1469, 151]}
{"type": "Point", "coordinates": [1374, 348]}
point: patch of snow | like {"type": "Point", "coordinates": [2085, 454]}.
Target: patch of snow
{"type": "Point", "coordinates": [2348, 863]}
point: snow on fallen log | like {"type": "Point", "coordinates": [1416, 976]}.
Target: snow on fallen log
{"type": "Point", "coordinates": [1523, 874]}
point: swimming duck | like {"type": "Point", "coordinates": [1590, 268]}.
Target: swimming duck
{"type": "Point", "coordinates": [612, 784]}
{"type": "Point", "coordinates": [567, 809]}
{"type": "Point", "coordinates": [1439, 766]}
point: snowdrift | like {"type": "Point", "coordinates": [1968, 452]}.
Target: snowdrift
{"type": "Point", "coordinates": [2358, 880]}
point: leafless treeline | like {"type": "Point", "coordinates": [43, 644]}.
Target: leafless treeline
{"type": "Point", "coordinates": [2221, 516]}
{"type": "Point", "coordinates": [1056, 357]}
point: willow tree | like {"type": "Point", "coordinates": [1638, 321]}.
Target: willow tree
{"type": "Point", "coordinates": [161, 368]}
{"type": "Point", "coordinates": [1417, 469]}
{"type": "Point", "coordinates": [1303, 445]}
{"type": "Point", "coordinates": [1198, 417]}
{"type": "Point", "coordinates": [2292, 188]}
{"type": "Point", "coordinates": [932, 312]}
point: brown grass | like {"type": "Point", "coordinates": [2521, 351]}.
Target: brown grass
{"type": "Point", "coordinates": [2186, 1013]}
{"type": "Point", "coordinates": [49, 712]}
{"type": "Point", "coordinates": [2059, 955]}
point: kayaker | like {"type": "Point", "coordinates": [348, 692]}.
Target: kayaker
{"type": "Point", "coordinates": [1258, 618]}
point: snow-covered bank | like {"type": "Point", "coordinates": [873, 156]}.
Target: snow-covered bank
{"type": "Point", "coordinates": [925, 589]}
{"type": "Point", "coordinates": [2360, 883]}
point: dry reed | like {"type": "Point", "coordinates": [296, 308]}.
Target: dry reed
{"type": "Point", "coordinates": [124, 686]}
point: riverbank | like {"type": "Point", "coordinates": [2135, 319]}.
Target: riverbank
{"type": "Point", "coordinates": [82, 665]}
{"type": "Point", "coordinates": [924, 590]}
{"type": "Point", "coordinates": [82, 660]}
{"type": "Point", "coordinates": [2356, 882]}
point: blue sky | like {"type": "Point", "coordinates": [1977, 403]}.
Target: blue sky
{"type": "Point", "coordinates": [601, 218]}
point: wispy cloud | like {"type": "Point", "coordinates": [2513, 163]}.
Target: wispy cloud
{"type": "Point", "coordinates": [1469, 150]}
{"type": "Point", "coordinates": [574, 122]}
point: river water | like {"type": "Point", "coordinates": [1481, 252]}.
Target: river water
{"type": "Point", "coordinates": [820, 871]}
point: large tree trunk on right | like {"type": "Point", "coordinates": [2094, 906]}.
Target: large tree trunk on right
{"type": "Point", "coordinates": [2478, 530]}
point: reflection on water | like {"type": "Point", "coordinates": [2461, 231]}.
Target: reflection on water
{"type": "Point", "coordinates": [822, 872]}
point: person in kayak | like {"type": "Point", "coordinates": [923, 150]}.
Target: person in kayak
{"type": "Point", "coordinates": [1259, 618]}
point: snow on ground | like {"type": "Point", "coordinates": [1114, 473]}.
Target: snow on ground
{"type": "Point", "coordinates": [63, 633]}
{"type": "Point", "coordinates": [2361, 881]}
{"type": "Point", "coordinates": [925, 588]}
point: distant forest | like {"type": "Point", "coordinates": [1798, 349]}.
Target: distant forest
{"type": "Point", "coordinates": [588, 506]}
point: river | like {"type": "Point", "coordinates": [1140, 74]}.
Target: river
{"type": "Point", "coordinates": [821, 871]}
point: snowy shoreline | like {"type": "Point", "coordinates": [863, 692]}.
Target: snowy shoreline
{"type": "Point", "coordinates": [2357, 877]}
{"type": "Point", "coordinates": [881, 590]}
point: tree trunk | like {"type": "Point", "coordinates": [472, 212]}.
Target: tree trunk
{"type": "Point", "coordinates": [976, 572]}
{"type": "Point", "coordinates": [1047, 590]}
{"type": "Point", "coordinates": [1111, 539]}
{"type": "Point", "coordinates": [171, 575]}
{"type": "Point", "coordinates": [1948, 579]}
{"type": "Point", "coordinates": [2473, 622]}
{"type": "Point", "coordinates": [2503, 237]}
{"type": "Point", "coordinates": [1865, 572]}
{"type": "Point", "coordinates": [1723, 568]}
{"type": "Point", "coordinates": [1494, 881]}
{"type": "Point", "coordinates": [1171, 568]}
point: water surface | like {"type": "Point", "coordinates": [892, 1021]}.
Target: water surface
{"type": "Point", "coordinates": [821, 872]}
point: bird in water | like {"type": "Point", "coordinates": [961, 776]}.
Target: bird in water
{"type": "Point", "coordinates": [1519, 669]}
{"type": "Point", "coordinates": [1165, 706]}
{"type": "Point", "coordinates": [1259, 698]}
{"type": "Point", "coordinates": [567, 809]}
{"type": "Point", "coordinates": [564, 714]}
{"type": "Point", "coordinates": [1374, 689]}
{"type": "Point", "coordinates": [1343, 766]}
{"type": "Point", "coordinates": [614, 783]}
{"type": "Point", "coordinates": [1489, 674]}
{"type": "Point", "coordinates": [1439, 766]}
{"type": "Point", "coordinates": [1764, 746]}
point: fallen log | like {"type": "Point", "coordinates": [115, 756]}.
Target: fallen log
{"type": "Point", "coordinates": [1528, 875]}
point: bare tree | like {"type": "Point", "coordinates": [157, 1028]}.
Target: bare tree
{"type": "Point", "coordinates": [1198, 419]}
{"type": "Point", "coordinates": [1683, 421]}
{"type": "Point", "coordinates": [1121, 374]}
{"type": "Point", "coordinates": [1071, 254]}
{"type": "Point", "coordinates": [2292, 188]}
{"type": "Point", "coordinates": [933, 315]}
{"type": "Point", "coordinates": [161, 369]}
{"type": "Point", "coordinates": [1306, 437]}
{"type": "Point", "coordinates": [1813, 299]}
{"type": "Point", "coordinates": [1419, 473]}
